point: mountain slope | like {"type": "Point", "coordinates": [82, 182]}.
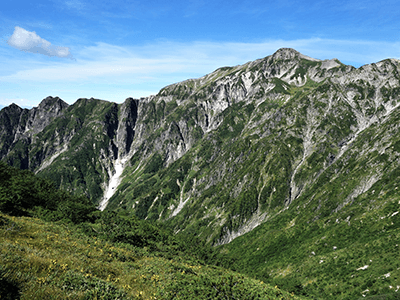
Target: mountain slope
{"type": "Point", "coordinates": [259, 151]}
{"type": "Point", "coordinates": [223, 153]}
{"type": "Point", "coordinates": [340, 238]}
{"type": "Point", "coordinates": [48, 261]}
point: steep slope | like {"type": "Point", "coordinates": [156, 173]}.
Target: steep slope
{"type": "Point", "coordinates": [267, 132]}
{"type": "Point", "coordinates": [340, 238]}
{"type": "Point", "coordinates": [18, 126]}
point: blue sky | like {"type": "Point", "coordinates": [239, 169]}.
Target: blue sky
{"type": "Point", "coordinates": [117, 49]}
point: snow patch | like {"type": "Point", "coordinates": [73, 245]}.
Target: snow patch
{"type": "Point", "coordinates": [179, 208]}
{"type": "Point", "coordinates": [248, 226]}
{"type": "Point", "coordinates": [329, 64]}
{"type": "Point", "coordinates": [49, 161]}
{"type": "Point", "coordinates": [115, 179]}
{"type": "Point", "coordinates": [247, 81]}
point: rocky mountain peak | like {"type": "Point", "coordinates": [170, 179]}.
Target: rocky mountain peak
{"type": "Point", "coordinates": [39, 117]}
{"type": "Point", "coordinates": [286, 53]}
{"type": "Point", "coordinates": [12, 108]}
{"type": "Point", "coordinates": [289, 54]}
{"type": "Point", "coordinates": [52, 103]}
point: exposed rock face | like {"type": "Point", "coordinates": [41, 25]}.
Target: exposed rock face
{"type": "Point", "coordinates": [224, 152]}
{"type": "Point", "coordinates": [126, 125]}
{"type": "Point", "coordinates": [40, 117]}
{"type": "Point", "coordinates": [19, 126]}
{"type": "Point", "coordinates": [72, 137]}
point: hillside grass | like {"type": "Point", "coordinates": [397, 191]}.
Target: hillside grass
{"type": "Point", "coordinates": [44, 260]}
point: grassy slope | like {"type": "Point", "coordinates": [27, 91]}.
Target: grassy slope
{"type": "Point", "coordinates": [323, 259]}
{"type": "Point", "coordinates": [43, 260]}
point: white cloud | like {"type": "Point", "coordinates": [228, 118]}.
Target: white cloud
{"type": "Point", "coordinates": [29, 41]}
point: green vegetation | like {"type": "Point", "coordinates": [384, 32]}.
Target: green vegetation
{"type": "Point", "coordinates": [103, 255]}
{"type": "Point", "coordinates": [323, 247]}
{"type": "Point", "coordinates": [341, 256]}
{"type": "Point", "coordinates": [21, 193]}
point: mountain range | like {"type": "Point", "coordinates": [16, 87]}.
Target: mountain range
{"type": "Point", "coordinates": [287, 164]}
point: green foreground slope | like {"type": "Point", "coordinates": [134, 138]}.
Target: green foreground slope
{"type": "Point", "coordinates": [41, 260]}
{"type": "Point", "coordinates": [100, 255]}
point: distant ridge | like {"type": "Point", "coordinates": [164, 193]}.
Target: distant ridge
{"type": "Point", "coordinates": [27, 107]}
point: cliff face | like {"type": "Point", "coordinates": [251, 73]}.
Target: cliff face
{"type": "Point", "coordinates": [226, 152]}
{"type": "Point", "coordinates": [19, 126]}
{"type": "Point", "coordinates": [75, 145]}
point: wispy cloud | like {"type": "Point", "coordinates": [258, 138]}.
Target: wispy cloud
{"type": "Point", "coordinates": [165, 57]}
{"type": "Point", "coordinates": [29, 41]}
{"type": "Point", "coordinates": [40, 24]}
{"type": "Point", "coordinates": [74, 4]}
{"type": "Point", "coordinates": [115, 72]}
{"type": "Point", "coordinates": [19, 101]}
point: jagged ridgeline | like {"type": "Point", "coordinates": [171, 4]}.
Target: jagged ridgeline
{"type": "Point", "coordinates": [224, 153]}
